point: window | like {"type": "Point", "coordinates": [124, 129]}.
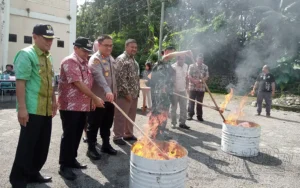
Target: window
{"type": "Point", "coordinates": [12, 38]}
{"type": "Point", "coordinates": [27, 39]}
{"type": "Point", "coordinates": [60, 43]}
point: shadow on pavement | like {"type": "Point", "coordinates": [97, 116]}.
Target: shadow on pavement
{"type": "Point", "coordinates": [193, 139]}
{"type": "Point", "coordinates": [83, 180]}
{"type": "Point", "coordinates": [214, 125]}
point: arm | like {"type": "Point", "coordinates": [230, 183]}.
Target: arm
{"type": "Point", "coordinates": [23, 116]}
{"type": "Point", "coordinates": [122, 72]}
{"type": "Point", "coordinates": [54, 104]}
{"type": "Point", "coordinates": [206, 75]}
{"type": "Point", "coordinates": [175, 54]}
{"type": "Point", "coordinates": [84, 89]}
{"type": "Point", "coordinates": [273, 88]}
{"type": "Point", "coordinates": [254, 88]}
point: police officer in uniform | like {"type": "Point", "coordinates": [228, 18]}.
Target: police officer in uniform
{"type": "Point", "coordinates": [102, 66]}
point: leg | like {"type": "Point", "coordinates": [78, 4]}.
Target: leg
{"type": "Point", "coordinates": [79, 130]}
{"type": "Point", "coordinates": [174, 109]}
{"type": "Point", "coordinates": [200, 96]}
{"type": "Point", "coordinates": [23, 163]}
{"type": "Point", "coordinates": [268, 99]}
{"type": "Point", "coordinates": [68, 143]}
{"type": "Point", "coordinates": [106, 123]}
{"type": "Point", "coordinates": [149, 101]}
{"type": "Point", "coordinates": [128, 132]}
{"type": "Point", "coordinates": [94, 121]}
{"type": "Point", "coordinates": [259, 101]}
{"type": "Point", "coordinates": [120, 120]}
{"type": "Point", "coordinates": [42, 146]}
{"type": "Point", "coordinates": [191, 108]}
{"type": "Point", "coordinates": [182, 106]}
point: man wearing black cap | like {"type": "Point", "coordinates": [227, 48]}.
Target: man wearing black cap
{"type": "Point", "coordinates": [36, 105]}
{"type": "Point", "coordinates": [74, 100]}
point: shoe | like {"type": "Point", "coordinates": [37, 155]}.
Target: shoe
{"type": "Point", "coordinates": [93, 154]}
{"type": "Point", "coordinates": [109, 150]}
{"type": "Point", "coordinates": [268, 115]}
{"type": "Point", "coordinates": [77, 165]}
{"type": "Point", "coordinates": [189, 118]}
{"type": "Point", "coordinates": [184, 126]}
{"type": "Point", "coordinates": [131, 138]}
{"type": "Point", "coordinates": [120, 141]}
{"type": "Point", "coordinates": [39, 179]}
{"type": "Point", "coordinates": [258, 114]}
{"type": "Point", "coordinates": [200, 119]}
{"type": "Point", "coordinates": [67, 173]}
{"type": "Point", "coordinates": [173, 126]}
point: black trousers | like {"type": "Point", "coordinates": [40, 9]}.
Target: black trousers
{"type": "Point", "coordinates": [100, 118]}
{"type": "Point", "coordinates": [73, 124]}
{"type": "Point", "coordinates": [196, 95]}
{"type": "Point", "coordinates": [32, 150]}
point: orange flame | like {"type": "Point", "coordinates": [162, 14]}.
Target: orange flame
{"type": "Point", "coordinates": [233, 117]}
{"type": "Point", "coordinates": [227, 99]}
{"type": "Point", "coordinates": [163, 150]}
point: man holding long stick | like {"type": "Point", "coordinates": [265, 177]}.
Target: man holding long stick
{"type": "Point", "coordinates": [197, 75]}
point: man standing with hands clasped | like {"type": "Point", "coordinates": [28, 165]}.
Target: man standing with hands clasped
{"type": "Point", "coordinates": [265, 83]}
{"type": "Point", "coordinates": [74, 99]}
{"type": "Point", "coordinates": [102, 66]}
{"type": "Point", "coordinates": [36, 105]}
{"type": "Point", "coordinates": [128, 84]}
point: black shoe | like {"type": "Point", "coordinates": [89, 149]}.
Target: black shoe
{"type": "Point", "coordinates": [131, 138]}
{"type": "Point", "coordinates": [120, 141]}
{"type": "Point", "coordinates": [258, 114]}
{"type": "Point", "coordinates": [109, 150]}
{"type": "Point", "coordinates": [184, 126]}
{"type": "Point", "coordinates": [93, 154]}
{"type": "Point", "coordinates": [200, 119]}
{"type": "Point", "coordinates": [268, 115]}
{"type": "Point", "coordinates": [39, 179]}
{"type": "Point", "coordinates": [78, 165]}
{"type": "Point", "coordinates": [189, 118]}
{"type": "Point", "coordinates": [67, 173]}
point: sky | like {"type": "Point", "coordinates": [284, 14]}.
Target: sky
{"type": "Point", "coordinates": [80, 2]}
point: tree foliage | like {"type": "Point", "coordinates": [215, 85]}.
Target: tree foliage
{"type": "Point", "coordinates": [237, 37]}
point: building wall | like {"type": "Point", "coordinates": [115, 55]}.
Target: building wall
{"type": "Point", "coordinates": [24, 14]}
{"type": "Point", "coordinates": [22, 26]}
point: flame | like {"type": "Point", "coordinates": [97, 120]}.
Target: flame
{"type": "Point", "coordinates": [227, 99]}
{"type": "Point", "coordinates": [233, 117]}
{"type": "Point", "coordinates": [171, 150]}
{"type": "Point", "coordinates": [158, 150]}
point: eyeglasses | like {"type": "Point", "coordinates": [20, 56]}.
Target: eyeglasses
{"type": "Point", "coordinates": [107, 45]}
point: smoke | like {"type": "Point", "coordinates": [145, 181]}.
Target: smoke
{"type": "Point", "coordinates": [237, 37]}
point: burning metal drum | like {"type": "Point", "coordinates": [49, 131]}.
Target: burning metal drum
{"type": "Point", "coordinates": [153, 170]}
{"type": "Point", "coordinates": [241, 139]}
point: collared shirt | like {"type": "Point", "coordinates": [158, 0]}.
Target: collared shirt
{"type": "Point", "coordinates": [35, 66]}
{"type": "Point", "coordinates": [11, 73]}
{"type": "Point", "coordinates": [197, 72]}
{"type": "Point", "coordinates": [180, 76]}
{"type": "Point", "coordinates": [70, 98]}
{"type": "Point", "coordinates": [103, 70]}
{"type": "Point", "coordinates": [127, 76]}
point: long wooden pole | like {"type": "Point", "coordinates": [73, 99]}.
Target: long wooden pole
{"type": "Point", "coordinates": [151, 141]}
{"type": "Point", "coordinates": [211, 107]}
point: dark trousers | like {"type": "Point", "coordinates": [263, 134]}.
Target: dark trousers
{"type": "Point", "coordinates": [32, 150]}
{"type": "Point", "coordinates": [73, 123]}
{"type": "Point", "coordinates": [100, 118]}
{"type": "Point", "coordinates": [198, 96]}
{"type": "Point", "coordinates": [267, 96]}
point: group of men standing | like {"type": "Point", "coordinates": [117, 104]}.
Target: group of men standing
{"type": "Point", "coordinates": [88, 90]}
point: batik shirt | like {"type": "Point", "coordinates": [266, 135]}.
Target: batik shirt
{"type": "Point", "coordinates": [197, 72]}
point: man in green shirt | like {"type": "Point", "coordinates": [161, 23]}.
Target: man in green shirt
{"type": "Point", "coordinates": [36, 105]}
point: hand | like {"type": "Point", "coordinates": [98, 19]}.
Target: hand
{"type": "Point", "coordinates": [273, 93]}
{"type": "Point", "coordinates": [98, 102]}
{"type": "Point", "coordinates": [252, 92]}
{"type": "Point", "coordinates": [128, 98]}
{"type": "Point", "coordinates": [110, 97]}
{"type": "Point", "coordinates": [23, 116]}
{"type": "Point", "coordinates": [54, 108]}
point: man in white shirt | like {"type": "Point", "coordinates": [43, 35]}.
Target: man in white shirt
{"type": "Point", "coordinates": [180, 87]}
